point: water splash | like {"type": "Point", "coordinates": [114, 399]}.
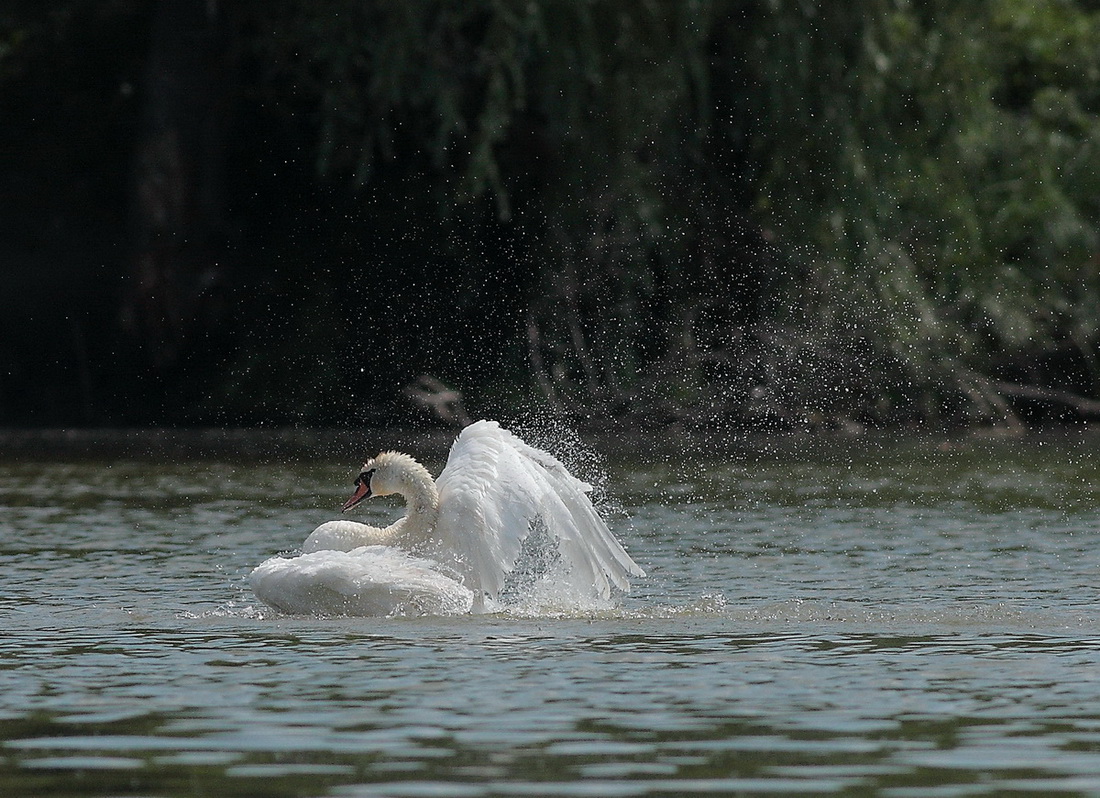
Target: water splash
{"type": "Point", "coordinates": [550, 431]}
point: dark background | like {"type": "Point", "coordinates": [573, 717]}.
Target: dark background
{"type": "Point", "coordinates": [709, 214]}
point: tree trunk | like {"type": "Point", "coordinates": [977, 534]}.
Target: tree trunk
{"type": "Point", "coordinates": [178, 197]}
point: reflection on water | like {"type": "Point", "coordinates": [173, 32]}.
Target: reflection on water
{"type": "Point", "coordinates": [902, 620]}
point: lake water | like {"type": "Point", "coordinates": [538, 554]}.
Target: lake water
{"type": "Point", "coordinates": [855, 618]}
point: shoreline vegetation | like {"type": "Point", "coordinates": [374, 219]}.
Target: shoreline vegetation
{"type": "Point", "coordinates": [335, 446]}
{"type": "Point", "coordinates": [707, 215]}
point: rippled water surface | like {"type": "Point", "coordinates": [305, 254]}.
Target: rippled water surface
{"type": "Point", "coordinates": [913, 618]}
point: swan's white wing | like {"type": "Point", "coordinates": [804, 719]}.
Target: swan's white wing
{"type": "Point", "coordinates": [494, 487]}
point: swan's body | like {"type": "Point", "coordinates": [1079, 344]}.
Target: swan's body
{"type": "Point", "coordinates": [458, 545]}
{"type": "Point", "coordinates": [368, 580]}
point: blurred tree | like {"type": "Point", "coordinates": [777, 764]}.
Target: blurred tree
{"type": "Point", "coordinates": [944, 169]}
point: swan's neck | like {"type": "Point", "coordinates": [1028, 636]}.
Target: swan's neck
{"type": "Point", "coordinates": [421, 508]}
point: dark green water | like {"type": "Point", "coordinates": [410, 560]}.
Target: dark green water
{"type": "Point", "coordinates": [896, 619]}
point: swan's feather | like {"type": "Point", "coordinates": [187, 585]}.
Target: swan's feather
{"type": "Point", "coordinates": [370, 580]}
{"type": "Point", "coordinates": [494, 488]}
{"type": "Point", "coordinates": [340, 535]}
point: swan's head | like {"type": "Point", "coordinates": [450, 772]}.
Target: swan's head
{"type": "Point", "coordinates": [389, 472]}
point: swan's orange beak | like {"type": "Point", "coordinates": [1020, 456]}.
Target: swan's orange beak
{"type": "Point", "coordinates": [362, 491]}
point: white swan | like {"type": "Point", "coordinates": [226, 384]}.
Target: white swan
{"type": "Point", "coordinates": [463, 541]}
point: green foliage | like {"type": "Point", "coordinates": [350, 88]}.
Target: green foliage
{"type": "Point", "coordinates": [956, 167]}
{"type": "Point", "coordinates": [797, 209]}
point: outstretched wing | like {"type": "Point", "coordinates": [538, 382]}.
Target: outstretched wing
{"type": "Point", "coordinates": [494, 488]}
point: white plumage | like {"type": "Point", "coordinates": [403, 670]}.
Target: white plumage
{"type": "Point", "coordinates": [458, 547]}
{"type": "Point", "coordinates": [368, 580]}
